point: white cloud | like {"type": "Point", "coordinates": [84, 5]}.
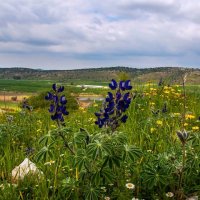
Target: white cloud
{"type": "Point", "coordinates": [99, 33]}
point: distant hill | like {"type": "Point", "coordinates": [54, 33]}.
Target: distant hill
{"type": "Point", "coordinates": [169, 74]}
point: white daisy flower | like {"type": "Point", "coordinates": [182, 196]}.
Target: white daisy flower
{"type": "Point", "coordinates": [169, 194]}
{"type": "Point", "coordinates": [130, 186]}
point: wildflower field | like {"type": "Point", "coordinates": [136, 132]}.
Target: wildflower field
{"type": "Point", "coordinates": [142, 142]}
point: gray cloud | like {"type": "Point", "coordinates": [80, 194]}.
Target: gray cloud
{"type": "Point", "coordinates": [84, 33]}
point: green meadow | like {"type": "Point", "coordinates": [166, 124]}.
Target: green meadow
{"type": "Point", "coordinates": [153, 154]}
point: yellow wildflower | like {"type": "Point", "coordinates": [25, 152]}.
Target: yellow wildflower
{"type": "Point", "coordinates": [82, 109]}
{"type": "Point", "coordinates": [176, 114]}
{"type": "Point", "coordinates": [159, 122]}
{"type": "Point", "coordinates": [53, 126]}
{"type": "Point", "coordinates": [95, 105]}
{"type": "Point", "coordinates": [151, 103]}
{"type": "Point", "coordinates": [166, 91]}
{"type": "Point", "coordinates": [189, 116]}
{"type": "Point", "coordinates": [152, 129]}
{"type": "Point", "coordinates": [166, 87]}
{"type": "Point", "coordinates": [91, 119]}
{"type": "Point", "coordinates": [195, 128]}
{"type": "Point", "coordinates": [185, 124]}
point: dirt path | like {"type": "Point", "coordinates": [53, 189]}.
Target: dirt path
{"type": "Point", "coordinates": [11, 96]}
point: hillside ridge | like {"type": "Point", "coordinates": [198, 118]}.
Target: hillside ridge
{"type": "Point", "coordinates": [103, 74]}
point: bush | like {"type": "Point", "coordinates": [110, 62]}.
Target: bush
{"type": "Point", "coordinates": [39, 102]}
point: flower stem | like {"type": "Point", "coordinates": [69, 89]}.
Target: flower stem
{"type": "Point", "coordinates": [66, 143]}
{"type": "Point", "coordinates": [183, 166]}
{"type": "Point", "coordinates": [64, 139]}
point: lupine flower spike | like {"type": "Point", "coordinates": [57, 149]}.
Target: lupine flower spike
{"type": "Point", "coordinates": [58, 104]}
{"type": "Point", "coordinates": [183, 136]}
{"type": "Point", "coordinates": [25, 105]}
{"type": "Point", "coordinates": [115, 104]}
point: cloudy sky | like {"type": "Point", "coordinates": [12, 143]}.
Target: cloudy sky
{"type": "Point", "coordinates": [67, 34]}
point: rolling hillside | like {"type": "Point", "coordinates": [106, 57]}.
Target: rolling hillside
{"type": "Point", "coordinates": [169, 74]}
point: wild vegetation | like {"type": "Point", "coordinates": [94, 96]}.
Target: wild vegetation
{"type": "Point", "coordinates": [141, 143]}
{"type": "Point", "coordinates": [101, 75]}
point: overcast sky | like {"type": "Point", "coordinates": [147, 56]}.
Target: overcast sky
{"type": "Point", "coordinates": [67, 34]}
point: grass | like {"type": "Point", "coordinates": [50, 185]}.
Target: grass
{"type": "Point", "coordinates": [9, 105]}
{"type": "Point", "coordinates": [24, 85]}
{"type": "Point", "coordinates": [36, 86]}
{"type": "Point", "coordinates": [144, 151]}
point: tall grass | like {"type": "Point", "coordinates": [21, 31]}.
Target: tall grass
{"type": "Point", "coordinates": [155, 115]}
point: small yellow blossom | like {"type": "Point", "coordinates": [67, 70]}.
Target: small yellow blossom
{"type": "Point", "coordinates": [159, 122]}
{"type": "Point", "coordinates": [177, 114]}
{"type": "Point", "coordinates": [195, 128]}
{"type": "Point", "coordinates": [153, 89]}
{"type": "Point", "coordinates": [53, 126]}
{"type": "Point", "coordinates": [82, 109]}
{"type": "Point", "coordinates": [166, 87]}
{"type": "Point", "coordinates": [95, 105]}
{"type": "Point", "coordinates": [152, 129]}
{"type": "Point", "coordinates": [91, 119]}
{"type": "Point", "coordinates": [189, 116]}
{"type": "Point", "coordinates": [151, 103]}
{"type": "Point", "coordinates": [149, 84]}
{"type": "Point", "coordinates": [166, 91]}
{"type": "Point", "coordinates": [185, 124]}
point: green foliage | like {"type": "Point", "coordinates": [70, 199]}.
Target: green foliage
{"type": "Point", "coordinates": [38, 101]}
{"type": "Point", "coordinates": [80, 161]}
{"type": "Point", "coordinates": [123, 76]}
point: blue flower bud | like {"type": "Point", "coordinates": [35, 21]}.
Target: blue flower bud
{"type": "Point", "coordinates": [113, 85]}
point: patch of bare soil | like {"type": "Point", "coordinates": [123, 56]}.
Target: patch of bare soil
{"type": "Point", "coordinates": [11, 96]}
{"type": "Point", "coordinates": [84, 104]}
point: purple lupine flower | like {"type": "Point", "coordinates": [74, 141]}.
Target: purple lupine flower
{"type": "Point", "coordinates": [116, 103]}
{"type": "Point", "coordinates": [128, 85]}
{"type": "Point", "coordinates": [49, 96]}
{"type": "Point", "coordinates": [124, 118]}
{"type": "Point", "coordinates": [122, 85]}
{"type": "Point", "coordinates": [113, 85]}
{"type": "Point", "coordinates": [58, 104]}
